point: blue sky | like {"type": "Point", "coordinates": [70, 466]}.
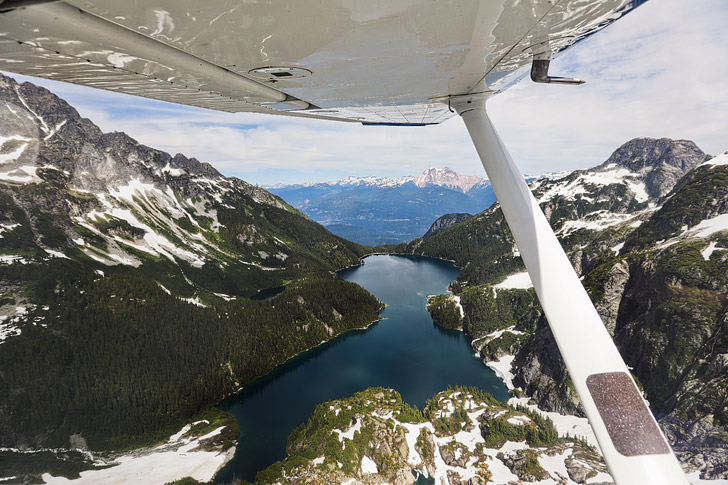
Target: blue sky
{"type": "Point", "coordinates": [660, 71]}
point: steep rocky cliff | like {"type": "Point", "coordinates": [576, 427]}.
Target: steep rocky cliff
{"type": "Point", "coordinates": [660, 163]}
{"type": "Point", "coordinates": [70, 190]}
{"type": "Point", "coordinates": [647, 231]}
{"type": "Point", "coordinates": [443, 222]}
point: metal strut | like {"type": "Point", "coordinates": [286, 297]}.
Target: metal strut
{"type": "Point", "coordinates": [633, 446]}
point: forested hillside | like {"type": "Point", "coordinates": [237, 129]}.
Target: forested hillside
{"type": "Point", "coordinates": [126, 279]}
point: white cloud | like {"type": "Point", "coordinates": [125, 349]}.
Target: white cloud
{"type": "Point", "coordinates": [659, 71]}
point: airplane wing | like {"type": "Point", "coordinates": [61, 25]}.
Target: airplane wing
{"type": "Point", "coordinates": [401, 62]}
{"type": "Point", "coordinates": [379, 61]}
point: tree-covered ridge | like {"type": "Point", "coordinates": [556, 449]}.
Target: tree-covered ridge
{"type": "Point", "coordinates": [579, 204]}
{"type": "Point", "coordinates": [118, 360]}
{"type": "Point", "coordinates": [373, 437]}
{"type": "Point", "coordinates": [445, 312]}
{"type": "Point", "coordinates": [235, 246]}
{"type": "Point", "coordinates": [482, 246]}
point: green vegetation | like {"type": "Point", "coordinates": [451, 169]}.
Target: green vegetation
{"type": "Point", "coordinates": [445, 312]}
{"type": "Point", "coordinates": [314, 438]}
{"type": "Point", "coordinates": [678, 316]}
{"type": "Point", "coordinates": [595, 280]}
{"type": "Point", "coordinates": [211, 419]}
{"type": "Point", "coordinates": [485, 312]}
{"type": "Point", "coordinates": [384, 442]}
{"type": "Point", "coordinates": [113, 356]}
{"type": "Point", "coordinates": [481, 245]}
{"type": "Point", "coordinates": [121, 362]}
{"type": "Point", "coordinates": [31, 465]}
{"type": "Point", "coordinates": [192, 481]}
{"type": "Point", "coordinates": [186, 481]}
{"type": "Point", "coordinates": [536, 431]}
{"type": "Point", "coordinates": [530, 469]}
{"type": "Point", "coordinates": [447, 424]}
{"type": "Point", "coordinates": [507, 343]}
{"type": "Point", "coordinates": [423, 445]}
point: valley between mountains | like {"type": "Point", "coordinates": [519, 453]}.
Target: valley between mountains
{"type": "Point", "coordinates": [128, 310]}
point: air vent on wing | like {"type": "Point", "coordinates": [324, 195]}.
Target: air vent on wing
{"type": "Point", "coordinates": [279, 73]}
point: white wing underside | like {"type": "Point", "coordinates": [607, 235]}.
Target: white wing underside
{"type": "Point", "coordinates": [380, 61]}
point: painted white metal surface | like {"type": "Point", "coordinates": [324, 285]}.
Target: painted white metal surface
{"type": "Point", "coordinates": [584, 342]}
{"type": "Point", "coordinates": [381, 61]}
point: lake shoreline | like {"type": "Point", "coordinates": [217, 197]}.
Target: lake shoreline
{"type": "Point", "coordinates": [409, 354]}
{"type": "Point", "coordinates": [452, 261]}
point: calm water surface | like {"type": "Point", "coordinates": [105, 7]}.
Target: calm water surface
{"type": "Point", "coordinates": [406, 351]}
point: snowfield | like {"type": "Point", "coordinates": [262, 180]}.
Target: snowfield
{"type": "Point", "coordinates": [178, 458]}
{"type": "Point", "coordinates": [516, 281]}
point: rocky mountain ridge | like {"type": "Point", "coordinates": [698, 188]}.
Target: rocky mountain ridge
{"type": "Point", "coordinates": [660, 163]}
{"type": "Point", "coordinates": [647, 232]}
{"type": "Point", "coordinates": [109, 199]}
{"type": "Point", "coordinates": [444, 177]}
{"type": "Point", "coordinates": [461, 437]}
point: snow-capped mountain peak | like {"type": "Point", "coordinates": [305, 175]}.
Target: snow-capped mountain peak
{"type": "Point", "coordinates": [443, 177]}
{"type": "Point", "coordinates": [371, 181]}
{"type": "Point", "coordinates": [446, 177]}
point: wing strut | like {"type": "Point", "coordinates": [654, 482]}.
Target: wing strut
{"type": "Point", "coordinates": [633, 446]}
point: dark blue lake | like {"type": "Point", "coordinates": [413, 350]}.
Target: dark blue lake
{"type": "Point", "coordinates": [405, 351]}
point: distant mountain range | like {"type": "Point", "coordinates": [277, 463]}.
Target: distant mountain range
{"type": "Point", "coordinates": [380, 210]}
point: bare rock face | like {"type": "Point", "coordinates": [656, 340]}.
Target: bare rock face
{"type": "Point", "coordinates": [578, 472]}
{"type": "Point", "coordinates": [524, 465]}
{"type": "Point", "coordinates": [454, 478]}
{"type": "Point", "coordinates": [77, 442]}
{"type": "Point", "coordinates": [443, 222]}
{"type": "Point", "coordinates": [455, 454]}
{"type": "Point", "coordinates": [541, 373]}
{"type": "Point", "coordinates": [662, 162]}
{"type": "Point", "coordinates": [608, 306]}
{"type": "Point", "coordinates": [477, 480]}
{"type": "Point", "coordinates": [425, 447]}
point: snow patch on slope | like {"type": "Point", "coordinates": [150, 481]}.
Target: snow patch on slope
{"type": "Point", "coordinates": [21, 145]}
{"type": "Point", "coordinates": [703, 230]}
{"type": "Point", "coordinates": [179, 457]}
{"type": "Point", "coordinates": [516, 281]}
{"type": "Point", "coordinates": [595, 221]}
{"type": "Point", "coordinates": [607, 175]}
{"type": "Point", "coordinates": [502, 369]}
{"type": "Point", "coordinates": [721, 159]}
